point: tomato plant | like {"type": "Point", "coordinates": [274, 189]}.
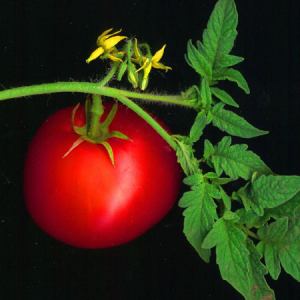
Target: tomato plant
{"type": "Point", "coordinates": [86, 201]}
{"type": "Point", "coordinates": [96, 179]}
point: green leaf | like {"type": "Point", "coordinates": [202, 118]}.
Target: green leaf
{"type": "Point", "coordinates": [234, 76]}
{"type": "Point", "coordinates": [199, 216]}
{"type": "Point", "coordinates": [272, 261]}
{"type": "Point", "coordinates": [205, 93]}
{"type": "Point", "coordinates": [185, 155]}
{"type": "Point", "coordinates": [251, 219]}
{"type": "Point", "coordinates": [224, 96]}
{"type": "Point", "coordinates": [238, 260]}
{"type": "Point", "coordinates": [220, 34]}
{"type": "Point", "coordinates": [290, 261]}
{"type": "Point", "coordinates": [208, 149]}
{"type": "Point", "coordinates": [271, 235]}
{"type": "Point", "coordinates": [233, 124]}
{"type": "Point", "coordinates": [285, 210]}
{"type": "Point", "coordinates": [228, 60]}
{"type": "Point", "coordinates": [236, 161]}
{"type": "Point", "coordinates": [259, 288]}
{"type": "Point", "coordinates": [269, 191]}
{"type": "Point", "coordinates": [194, 180]}
{"type": "Point", "coordinates": [226, 199]}
{"type": "Point", "coordinates": [280, 242]}
{"type": "Point", "coordinates": [198, 61]}
{"type": "Point", "coordinates": [198, 127]}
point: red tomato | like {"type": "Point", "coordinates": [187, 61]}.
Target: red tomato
{"type": "Point", "coordinates": [85, 201]}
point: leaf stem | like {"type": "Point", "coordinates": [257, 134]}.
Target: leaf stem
{"type": "Point", "coordinates": [250, 233]}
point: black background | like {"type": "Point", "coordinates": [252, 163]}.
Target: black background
{"type": "Point", "coordinates": [48, 41]}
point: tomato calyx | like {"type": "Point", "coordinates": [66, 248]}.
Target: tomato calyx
{"type": "Point", "coordinates": [94, 131]}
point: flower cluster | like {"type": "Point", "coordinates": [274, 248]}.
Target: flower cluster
{"type": "Point", "coordinates": [134, 58]}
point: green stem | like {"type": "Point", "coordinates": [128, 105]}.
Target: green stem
{"type": "Point", "coordinates": [98, 89]}
{"type": "Point", "coordinates": [96, 111]}
{"type": "Point", "coordinates": [144, 115]}
{"type": "Point", "coordinates": [250, 233]}
{"type": "Point", "coordinates": [109, 75]}
{"type": "Point", "coordinates": [91, 88]}
{"type": "Point", "coordinates": [96, 108]}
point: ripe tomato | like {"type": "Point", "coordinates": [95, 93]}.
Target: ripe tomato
{"type": "Point", "coordinates": [85, 201]}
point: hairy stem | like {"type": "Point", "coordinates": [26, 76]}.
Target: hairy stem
{"type": "Point", "coordinates": [109, 75]}
{"type": "Point", "coordinates": [92, 88]}
{"type": "Point", "coordinates": [144, 115]}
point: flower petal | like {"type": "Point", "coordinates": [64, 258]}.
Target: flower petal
{"type": "Point", "coordinates": [160, 66]}
{"type": "Point", "coordinates": [95, 54]}
{"type": "Point", "coordinates": [103, 35]}
{"type": "Point", "coordinates": [159, 54]}
{"type": "Point", "coordinates": [147, 69]}
{"type": "Point", "coordinates": [114, 58]}
{"type": "Point", "coordinates": [146, 61]}
{"type": "Point", "coordinates": [111, 42]}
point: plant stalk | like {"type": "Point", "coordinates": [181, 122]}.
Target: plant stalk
{"type": "Point", "coordinates": [92, 88]}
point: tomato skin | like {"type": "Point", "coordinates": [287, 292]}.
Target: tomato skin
{"type": "Point", "coordinates": [85, 201]}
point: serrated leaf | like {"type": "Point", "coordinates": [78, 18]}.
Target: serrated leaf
{"type": "Point", "coordinates": [259, 287]}
{"type": "Point", "coordinates": [275, 231]}
{"type": "Point", "coordinates": [198, 127]}
{"type": "Point", "coordinates": [285, 210]}
{"type": "Point", "coordinates": [238, 260]}
{"type": "Point", "coordinates": [185, 155]}
{"type": "Point", "coordinates": [208, 149]}
{"type": "Point", "coordinates": [229, 60]}
{"type": "Point", "coordinates": [251, 219]}
{"type": "Point", "coordinates": [233, 124]}
{"type": "Point", "coordinates": [226, 199]}
{"type": "Point", "coordinates": [234, 76]}
{"type": "Point", "coordinates": [199, 216]}
{"type": "Point", "coordinates": [205, 93]}
{"type": "Point", "coordinates": [194, 180]}
{"type": "Point", "coordinates": [290, 261]}
{"type": "Point", "coordinates": [280, 243]}
{"type": "Point", "coordinates": [198, 61]}
{"type": "Point", "coordinates": [224, 96]}
{"type": "Point", "coordinates": [269, 191]}
{"type": "Point", "coordinates": [220, 34]}
{"type": "Point", "coordinates": [272, 235]}
{"type": "Point", "coordinates": [272, 261]}
{"type": "Point", "coordinates": [236, 160]}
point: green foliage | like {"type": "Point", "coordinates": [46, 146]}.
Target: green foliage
{"type": "Point", "coordinates": [236, 161]}
{"type": "Point", "coordinates": [269, 191]}
{"type": "Point", "coordinates": [260, 233]}
{"type": "Point", "coordinates": [224, 96]}
{"type": "Point", "coordinates": [200, 212]}
{"type": "Point", "coordinates": [280, 245]}
{"type": "Point", "coordinates": [233, 124]}
{"type": "Point", "coordinates": [238, 260]}
{"type": "Point", "coordinates": [234, 76]}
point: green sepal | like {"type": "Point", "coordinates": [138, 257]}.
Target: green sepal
{"type": "Point", "coordinates": [109, 151]}
{"type": "Point", "coordinates": [122, 69]}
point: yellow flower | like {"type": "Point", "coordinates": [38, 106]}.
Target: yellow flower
{"type": "Point", "coordinates": [106, 43]}
{"type": "Point", "coordinates": [148, 63]}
